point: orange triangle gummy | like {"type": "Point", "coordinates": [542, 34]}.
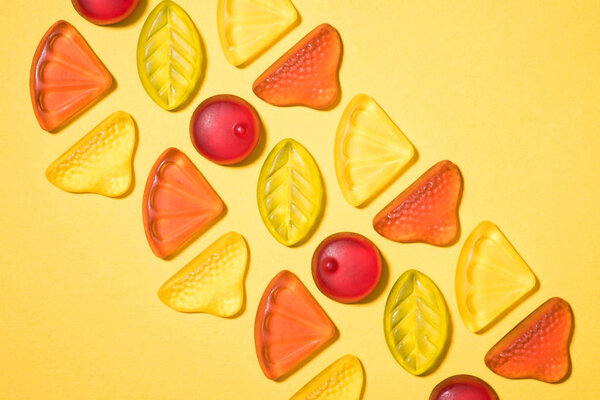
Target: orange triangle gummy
{"type": "Point", "coordinates": [290, 326]}
{"type": "Point", "coordinates": [178, 203]}
{"type": "Point", "coordinates": [66, 76]}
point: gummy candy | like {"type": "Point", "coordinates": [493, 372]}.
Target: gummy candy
{"type": "Point", "coordinates": [66, 76]}
{"type": "Point", "coordinates": [538, 347]}
{"type": "Point", "coordinates": [307, 74]}
{"type": "Point", "coordinates": [370, 150]}
{"type": "Point", "coordinates": [491, 277]}
{"type": "Point", "coordinates": [169, 55]}
{"type": "Point", "coordinates": [346, 267]}
{"type": "Point", "coordinates": [225, 129]}
{"type": "Point", "coordinates": [415, 322]}
{"type": "Point", "coordinates": [178, 203]}
{"type": "Point", "coordinates": [213, 282]}
{"type": "Point", "coordinates": [342, 380]}
{"type": "Point", "coordinates": [290, 326]}
{"type": "Point", "coordinates": [100, 162]}
{"type": "Point", "coordinates": [426, 211]}
{"type": "Point", "coordinates": [248, 27]}
{"type": "Point", "coordinates": [105, 12]}
{"type": "Point", "coordinates": [463, 387]}
{"type": "Point", "coordinates": [290, 192]}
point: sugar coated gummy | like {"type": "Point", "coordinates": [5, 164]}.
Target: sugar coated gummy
{"type": "Point", "coordinates": [463, 387]}
{"type": "Point", "coordinates": [105, 12]}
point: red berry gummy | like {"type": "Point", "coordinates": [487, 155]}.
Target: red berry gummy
{"type": "Point", "coordinates": [463, 387]}
{"type": "Point", "coordinates": [105, 12]}
{"type": "Point", "coordinates": [346, 267]}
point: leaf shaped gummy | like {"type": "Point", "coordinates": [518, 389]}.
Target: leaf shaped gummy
{"type": "Point", "coordinates": [370, 150]}
{"type": "Point", "coordinates": [100, 162]}
{"type": "Point", "coordinates": [213, 282]}
{"type": "Point", "coordinates": [290, 192]}
{"type": "Point", "coordinates": [415, 322]}
{"type": "Point", "coordinates": [169, 55]}
{"type": "Point", "coordinates": [248, 27]}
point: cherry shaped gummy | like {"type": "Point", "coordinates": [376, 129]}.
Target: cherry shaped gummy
{"type": "Point", "coordinates": [225, 129]}
{"type": "Point", "coordinates": [105, 12]}
{"type": "Point", "coordinates": [463, 387]}
{"type": "Point", "coordinates": [346, 267]}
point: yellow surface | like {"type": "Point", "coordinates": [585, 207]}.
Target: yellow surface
{"type": "Point", "coordinates": [508, 90]}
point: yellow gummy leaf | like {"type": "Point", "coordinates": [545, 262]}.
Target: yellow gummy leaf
{"type": "Point", "coordinates": [491, 277]}
{"type": "Point", "coordinates": [100, 162]}
{"type": "Point", "coordinates": [415, 322]}
{"type": "Point", "coordinates": [248, 27]}
{"type": "Point", "coordinates": [342, 380]}
{"type": "Point", "coordinates": [370, 150]}
{"type": "Point", "coordinates": [290, 192]}
{"type": "Point", "coordinates": [169, 55]}
{"type": "Point", "coordinates": [213, 282]}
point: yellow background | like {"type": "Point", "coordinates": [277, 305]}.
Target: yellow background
{"type": "Point", "coordinates": [508, 90]}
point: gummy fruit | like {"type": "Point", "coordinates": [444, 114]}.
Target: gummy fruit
{"type": "Point", "coordinates": [105, 12]}
{"type": "Point", "coordinates": [213, 282]}
{"type": "Point", "coordinates": [290, 326]}
{"type": "Point", "coordinates": [463, 387]}
{"type": "Point", "coordinates": [538, 347]}
{"type": "Point", "coordinates": [225, 129]}
{"type": "Point", "coordinates": [178, 203]}
{"type": "Point", "coordinates": [426, 211]}
{"type": "Point", "coordinates": [346, 267]}
{"type": "Point", "coordinates": [307, 74]}
{"type": "Point", "coordinates": [66, 76]}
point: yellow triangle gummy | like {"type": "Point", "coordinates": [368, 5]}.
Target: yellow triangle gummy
{"type": "Point", "coordinates": [213, 282]}
{"type": "Point", "coordinates": [248, 27]}
{"type": "Point", "coordinates": [370, 150]}
{"type": "Point", "coordinates": [100, 162]}
{"type": "Point", "coordinates": [491, 277]}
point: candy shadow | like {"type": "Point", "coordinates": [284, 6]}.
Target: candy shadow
{"type": "Point", "coordinates": [383, 281]}
{"type": "Point", "coordinates": [133, 153]}
{"type": "Point", "coordinates": [135, 16]}
{"type": "Point", "coordinates": [260, 146]}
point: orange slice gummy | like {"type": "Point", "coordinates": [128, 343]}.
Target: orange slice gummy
{"type": "Point", "coordinates": [178, 203]}
{"type": "Point", "coordinates": [66, 76]}
{"type": "Point", "coordinates": [290, 326]}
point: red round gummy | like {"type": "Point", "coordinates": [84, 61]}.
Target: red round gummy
{"type": "Point", "coordinates": [225, 129]}
{"type": "Point", "coordinates": [463, 387]}
{"type": "Point", "coordinates": [346, 267]}
{"type": "Point", "coordinates": [105, 12]}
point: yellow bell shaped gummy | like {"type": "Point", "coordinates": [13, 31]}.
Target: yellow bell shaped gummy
{"type": "Point", "coordinates": [491, 277]}
{"type": "Point", "coordinates": [248, 27]}
{"type": "Point", "coordinates": [213, 282]}
{"type": "Point", "coordinates": [101, 162]}
{"type": "Point", "coordinates": [169, 55]}
{"type": "Point", "coordinates": [342, 380]}
{"type": "Point", "coordinates": [370, 150]}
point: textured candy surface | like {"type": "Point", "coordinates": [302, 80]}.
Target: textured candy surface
{"type": "Point", "coordinates": [290, 192]}
{"type": "Point", "coordinates": [213, 282]}
{"type": "Point", "coordinates": [290, 326]}
{"type": "Point", "coordinates": [103, 12]}
{"type": "Point", "coordinates": [491, 277]}
{"type": "Point", "coordinates": [248, 27]}
{"type": "Point", "coordinates": [101, 162]}
{"type": "Point", "coordinates": [66, 76]}
{"type": "Point", "coordinates": [307, 74]}
{"type": "Point", "coordinates": [538, 347]}
{"type": "Point", "coordinates": [426, 211]}
{"type": "Point", "coordinates": [342, 380]}
{"type": "Point", "coordinates": [415, 322]}
{"type": "Point", "coordinates": [370, 150]}
{"type": "Point", "coordinates": [169, 55]}
{"type": "Point", "coordinates": [463, 387]}
{"type": "Point", "coordinates": [178, 203]}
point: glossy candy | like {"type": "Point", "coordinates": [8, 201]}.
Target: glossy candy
{"type": "Point", "coordinates": [290, 192]}
{"type": "Point", "coordinates": [213, 282]}
{"type": "Point", "coordinates": [105, 12]}
{"type": "Point", "coordinates": [463, 387]}
{"type": "Point", "coordinates": [538, 347]}
{"type": "Point", "coordinates": [100, 162]}
{"type": "Point", "coordinates": [169, 55]}
{"type": "Point", "coordinates": [225, 129]}
{"type": "Point", "coordinates": [426, 211]}
{"type": "Point", "coordinates": [307, 74]}
{"type": "Point", "coordinates": [248, 27]}
{"type": "Point", "coordinates": [178, 203]}
{"type": "Point", "coordinates": [346, 267]}
{"type": "Point", "coordinates": [370, 150]}
{"type": "Point", "coordinates": [66, 76]}
{"type": "Point", "coordinates": [290, 326]}
{"type": "Point", "coordinates": [491, 277]}
{"type": "Point", "coordinates": [415, 322]}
